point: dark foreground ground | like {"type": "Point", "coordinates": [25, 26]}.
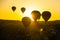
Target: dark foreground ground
{"type": "Point", "coordinates": [15, 30]}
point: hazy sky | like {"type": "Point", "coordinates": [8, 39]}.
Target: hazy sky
{"type": "Point", "coordinates": [41, 5]}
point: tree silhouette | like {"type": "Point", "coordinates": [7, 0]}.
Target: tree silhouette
{"type": "Point", "coordinates": [46, 15]}
{"type": "Point", "coordinates": [26, 21]}
{"type": "Point", "coordinates": [36, 15]}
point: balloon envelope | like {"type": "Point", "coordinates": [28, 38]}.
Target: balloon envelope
{"type": "Point", "coordinates": [23, 9]}
{"type": "Point", "coordinates": [46, 15]}
{"type": "Point", "coordinates": [13, 8]}
{"type": "Point", "coordinates": [26, 21]}
{"type": "Point", "coordinates": [36, 15]}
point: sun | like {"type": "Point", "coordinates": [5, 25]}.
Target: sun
{"type": "Point", "coordinates": [28, 13]}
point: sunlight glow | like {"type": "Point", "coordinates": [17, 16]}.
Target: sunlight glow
{"type": "Point", "coordinates": [41, 29]}
{"type": "Point", "coordinates": [28, 13]}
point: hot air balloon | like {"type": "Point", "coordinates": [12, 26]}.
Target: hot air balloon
{"type": "Point", "coordinates": [23, 9]}
{"type": "Point", "coordinates": [13, 8]}
{"type": "Point", "coordinates": [46, 15]}
{"type": "Point", "coordinates": [35, 15]}
{"type": "Point", "coordinates": [26, 21]}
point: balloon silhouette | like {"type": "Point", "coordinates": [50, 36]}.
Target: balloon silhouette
{"type": "Point", "coordinates": [26, 21]}
{"type": "Point", "coordinates": [35, 15]}
{"type": "Point", "coordinates": [13, 8]}
{"type": "Point", "coordinates": [46, 15]}
{"type": "Point", "coordinates": [23, 9]}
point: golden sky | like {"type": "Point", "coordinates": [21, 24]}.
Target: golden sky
{"type": "Point", "coordinates": [41, 5]}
